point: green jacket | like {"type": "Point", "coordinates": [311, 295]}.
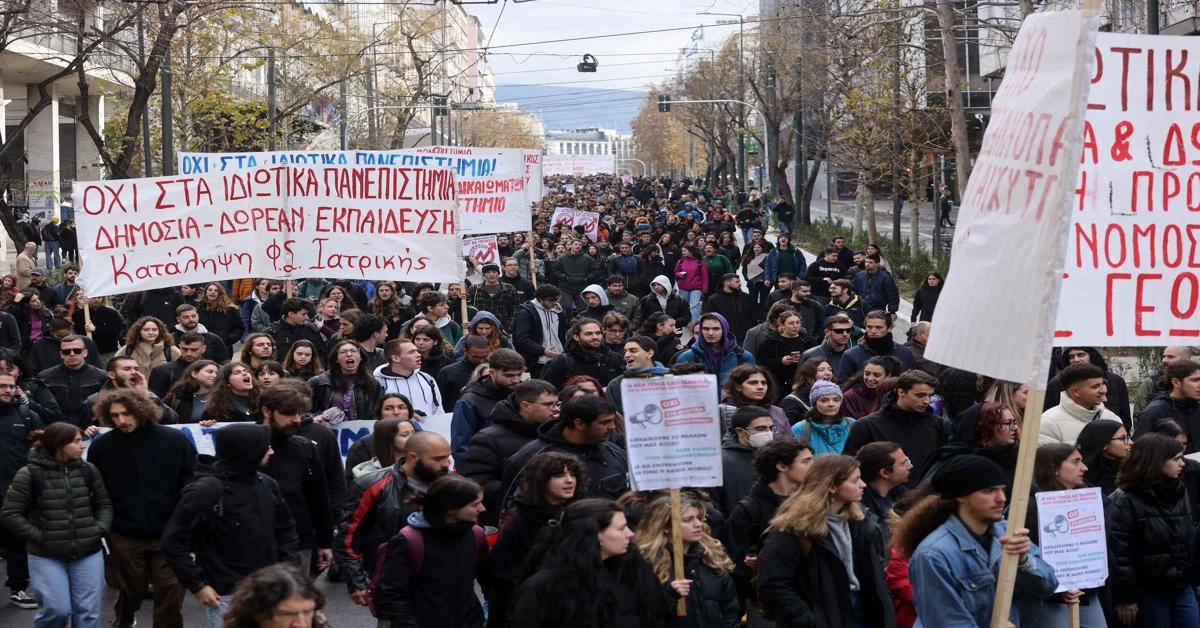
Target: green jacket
{"type": "Point", "coordinates": [69, 518]}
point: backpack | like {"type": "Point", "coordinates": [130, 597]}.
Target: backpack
{"type": "Point", "coordinates": [37, 481]}
{"type": "Point", "coordinates": [416, 556]}
{"type": "Point", "coordinates": [765, 610]}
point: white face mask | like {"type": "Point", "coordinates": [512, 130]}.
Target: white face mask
{"type": "Point", "coordinates": [758, 439]}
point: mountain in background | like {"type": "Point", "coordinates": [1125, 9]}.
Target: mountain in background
{"type": "Point", "coordinates": [571, 107]}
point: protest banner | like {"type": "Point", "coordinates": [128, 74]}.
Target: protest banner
{"type": "Point", "coordinates": [673, 438]}
{"type": "Point", "coordinates": [1010, 241]}
{"type": "Point", "coordinates": [1134, 248]}
{"type": "Point", "coordinates": [481, 250]}
{"type": "Point", "coordinates": [627, 179]}
{"type": "Point", "coordinates": [590, 221]}
{"type": "Point", "coordinates": [1071, 537]}
{"type": "Point", "coordinates": [578, 165]}
{"type": "Point", "coordinates": [496, 186]}
{"type": "Point", "coordinates": [284, 222]}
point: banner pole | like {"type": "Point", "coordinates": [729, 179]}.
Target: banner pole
{"type": "Point", "coordinates": [1073, 621]}
{"type": "Point", "coordinates": [87, 319]}
{"type": "Point", "coordinates": [677, 546]}
{"type": "Point", "coordinates": [532, 261]}
{"type": "Point", "coordinates": [1030, 427]}
{"type": "Point", "coordinates": [463, 301]}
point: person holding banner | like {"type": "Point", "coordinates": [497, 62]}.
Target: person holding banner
{"type": "Point", "coordinates": [494, 296]}
{"type": "Point", "coordinates": [1151, 546]}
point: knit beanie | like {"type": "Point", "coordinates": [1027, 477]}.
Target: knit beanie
{"type": "Point", "coordinates": [822, 388]}
{"type": "Point", "coordinates": [962, 475]}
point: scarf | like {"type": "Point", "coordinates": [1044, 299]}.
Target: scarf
{"type": "Point", "coordinates": [829, 438]}
{"type": "Point", "coordinates": [881, 346]}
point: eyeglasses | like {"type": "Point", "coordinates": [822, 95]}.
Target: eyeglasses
{"type": "Point", "coordinates": [549, 404]}
{"type": "Point", "coordinates": [1008, 425]}
{"type": "Point", "coordinates": [71, 351]}
{"type": "Point", "coordinates": [1126, 438]}
{"type": "Point", "coordinates": [840, 331]}
{"type": "Point", "coordinates": [348, 352]}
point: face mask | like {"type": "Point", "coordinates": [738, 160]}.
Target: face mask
{"type": "Point", "coordinates": [758, 439]}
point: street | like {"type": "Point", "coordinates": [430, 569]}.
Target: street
{"type": "Point", "coordinates": [844, 211]}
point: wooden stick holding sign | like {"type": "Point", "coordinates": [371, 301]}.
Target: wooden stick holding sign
{"type": "Point", "coordinates": [677, 546]}
{"type": "Point", "coordinates": [463, 301]}
{"type": "Point", "coordinates": [532, 261]}
{"type": "Point", "coordinates": [87, 319]}
{"type": "Point", "coordinates": [1073, 620]}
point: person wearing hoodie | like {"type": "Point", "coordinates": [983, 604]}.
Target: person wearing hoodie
{"type": "Point", "coordinates": [515, 422]}
{"type": "Point", "coordinates": [573, 272]}
{"type": "Point", "coordinates": [593, 303]}
{"type": "Point", "coordinates": [905, 419]}
{"type": "Point", "coordinates": [380, 502]}
{"type": "Point", "coordinates": [1080, 403]}
{"type": "Point", "coordinates": [1116, 397]}
{"type": "Point", "coordinates": [403, 375]}
{"type": "Point", "coordinates": [473, 411]}
{"type": "Point", "coordinates": [716, 348]}
{"type": "Point", "coordinates": [583, 428]}
{"type": "Point", "coordinates": [738, 307]}
{"type": "Point", "coordinates": [750, 428]}
{"type": "Point", "coordinates": [58, 506]}
{"type": "Point", "coordinates": [187, 321]}
{"type": "Point", "coordinates": [17, 423]}
{"type": "Point", "coordinates": [145, 467]}
{"type": "Point", "coordinates": [662, 298]}
{"type": "Point", "coordinates": [231, 520]}
{"type": "Point", "coordinates": [877, 341]}
{"type": "Point", "coordinates": [584, 355]}
{"type": "Point", "coordinates": [540, 330]}
{"type": "Point", "coordinates": [293, 326]}
{"type": "Point", "coordinates": [1181, 404]}
{"type": "Point", "coordinates": [433, 584]}
{"type": "Point", "coordinates": [488, 326]}
{"type": "Point", "coordinates": [640, 363]}
{"type": "Point", "coordinates": [620, 298]}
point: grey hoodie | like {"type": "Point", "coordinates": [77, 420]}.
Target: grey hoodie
{"type": "Point", "coordinates": [549, 321]}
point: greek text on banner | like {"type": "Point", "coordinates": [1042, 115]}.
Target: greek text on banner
{"type": "Point", "coordinates": [351, 222]}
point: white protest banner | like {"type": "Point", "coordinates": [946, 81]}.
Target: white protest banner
{"type": "Point", "coordinates": [578, 165]}
{"type": "Point", "coordinates": [590, 221]}
{"type": "Point", "coordinates": [1071, 537]}
{"type": "Point", "coordinates": [672, 431]}
{"type": "Point", "coordinates": [1134, 249]}
{"type": "Point", "coordinates": [1011, 235]}
{"type": "Point", "coordinates": [351, 222]}
{"type": "Point", "coordinates": [496, 186]}
{"type": "Point", "coordinates": [482, 250]}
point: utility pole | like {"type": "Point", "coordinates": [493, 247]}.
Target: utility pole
{"type": "Point", "coordinates": [1152, 10]}
{"type": "Point", "coordinates": [897, 198]}
{"type": "Point", "coordinates": [272, 104]}
{"type": "Point", "coordinates": [168, 122]}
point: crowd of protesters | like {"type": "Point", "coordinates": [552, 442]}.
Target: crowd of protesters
{"type": "Point", "coordinates": [863, 485]}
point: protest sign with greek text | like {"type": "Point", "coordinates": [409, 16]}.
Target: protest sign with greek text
{"type": "Point", "coordinates": [1071, 537]}
{"type": "Point", "coordinates": [672, 431]}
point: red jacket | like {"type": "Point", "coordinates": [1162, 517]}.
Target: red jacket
{"type": "Point", "coordinates": [695, 275]}
{"type": "Point", "coordinates": [901, 588]}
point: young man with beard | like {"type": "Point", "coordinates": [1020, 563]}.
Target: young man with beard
{"type": "Point", "coordinates": [825, 271]}
{"type": "Point", "coordinates": [379, 505]}
{"type": "Point", "coordinates": [876, 287]}
{"type": "Point", "coordinates": [494, 296]}
{"type": "Point", "coordinates": [663, 298]}
{"type": "Point", "coordinates": [594, 303]}
{"type": "Point", "coordinates": [122, 373]}
{"type": "Point", "coordinates": [479, 398]}
{"type": "Point", "coordinates": [620, 299]}
{"type": "Point", "coordinates": [842, 300]}
{"type": "Point", "coordinates": [259, 347]}
{"type": "Point", "coordinates": [906, 421]}
{"type": "Point", "coordinates": [145, 467]}
{"type": "Point", "coordinates": [296, 467]}
{"type": "Point", "coordinates": [1150, 389]}
{"type": "Point", "coordinates": [17, 422]}
{"type": "Point", "coordinates": [812, 313]}
{"type": "Point", "coordinates": [294, 326]}
{"type": "Point", "coordinates": [738, 307]}
{"type": "Point", "coordinates": [540, 330]}
{"type": "Point", "coordinates": [716, 348]}
{"type": "Point", "coordinates": [877, 342]}
{"type": "Point", "coordinates": [192, 346]}
{"type": "Point", "coordinates": [454, 377]}
{"type": "Point", "coordinates": [208, 542]}
{"type": "Point", "coordinates": [783, 288]}
{"type": "Point", "coordinates": [640, 363]}
{"type": "Point", "coordinates": [515, 422]}
{"type": "Point", "coordinates": [958, 535]}
{"type": "Point", "coordinates": [187, 321]}
{"type": "Point", "coordinates": [1082, 401]}
{"type": "Point", "coordinates": [402, 374]}
{"type": "Point", "coordinates": [585, 355]}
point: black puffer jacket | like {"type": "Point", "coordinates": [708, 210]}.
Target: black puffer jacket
{"type": "Point", "coordinates": [442, 593]}
{"type": "Point", "coordinates": [746, 524]}
{"type": "Point", "coordinates": [712, 601]}
{"type": "Point", "coordinates": [810, 591]}
{"type": "Point", "coordinates": [297, 469]}
{"type": "Point", "coordinates": [377, 507]}
{"type": "Point", "coordinates": [1151, 541]}
{"type": "Point", "coordinates": [606, 463]}
{"type": "Point", "coordinates": [919, 434]}
{"type": "Point", "coordinates": [490, 449]}
{"type": "Point", "coordinates": [1185, 412]}
{"type": "Point", "coordinates": [68, 519]}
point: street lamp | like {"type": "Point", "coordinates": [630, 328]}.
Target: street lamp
{"type": "Point", "coordinates": [741, 22]}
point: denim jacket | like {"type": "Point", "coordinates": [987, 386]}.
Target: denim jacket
{"type": "Point", "coordinates": [954, 582]}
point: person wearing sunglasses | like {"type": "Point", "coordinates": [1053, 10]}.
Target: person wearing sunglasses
{"type": "Point", "coordinates": [837, 339]}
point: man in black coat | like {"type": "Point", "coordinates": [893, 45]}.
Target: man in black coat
{"type": "Point", "coordinates": [45, 352]}
{"type": "Point", "coordinates": [17, 422]}
{"type": "Point", "coordinates": [293, 326]}
{"type": "Point", "coordinates": [473, 411]}
{"type": "Point", "coordinates": [157, 302]}
{"type": "Point", "coordinates": [187, 321]}
{"type": "Point", "coordinates": [454, 377]}
{"type": "Point", "coordinates": [208, 542]}
{"type": "Point", "coordinates": [906, 420]}
{"type": "Point", "coordinates": [736, 306]}
{"type": "Point", "coordinates": [145, 467]}
{"type": "Point", "coordinates": [73, 381]}
{"type": "Point", "coordinates": [540, 328]}
{"type": "Point", "coordinates": [585, 355]}
{"type": "Point", "coordinates": [515, 423]}
{"type": "Point", "coordinates": [192, 347]}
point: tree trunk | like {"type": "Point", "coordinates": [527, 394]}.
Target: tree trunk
{"type": "Point", "coordinates": [916, 174]}
{"type": "Point", "coordinates": [860, 196]}
{"type": "Point", "coordinates": [958, 113]}
{"type": "Point", "coordinates": [869, 206]}
{"type": "Point", "coordinates": [813, 171]}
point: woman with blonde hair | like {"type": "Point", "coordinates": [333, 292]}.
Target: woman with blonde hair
{"type": "Point", "coordinates": [822, 561]}
{"type": "Point", "coordinates": [712, 597]}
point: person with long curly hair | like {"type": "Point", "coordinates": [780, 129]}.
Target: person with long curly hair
{"type": "Point", "coordinates": [234, 398]}
{"type": "Point", "coordinates": [219, 315]}
{"type": "Point", "coordinates": [387, 305]}
{"type": "Point", "coordinates": [149, 343]}
{"type": "Point", "coordinates": [550, 482]}
{"type": "Point", "coordinates": [586, 571]}
{"type": "Point", "coordinates": [278, 596]}
{"type": "Point", "coordinates": [712, 598]}
{"type": "Point", "coordinates": [822, 560]}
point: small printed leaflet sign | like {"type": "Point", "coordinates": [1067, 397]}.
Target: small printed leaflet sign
{"type": "Point", "coordinates": [590, 221]}
{"type": "Point", "coordinates": [672, 431]}
{"type": "Point", "coordinates": [481, 250]}
{"type": "Point", "coordinates": [1071, 536]}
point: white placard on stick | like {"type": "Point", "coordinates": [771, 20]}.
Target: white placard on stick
{"type": "Point", "coordinates": [1010, 240]}
{"type": "Point", "coordinates": [672, 431]}
{"type": "Point", "coordinates": [1071, 537]}
{"type": "Point", "coordinates": [481, 250]}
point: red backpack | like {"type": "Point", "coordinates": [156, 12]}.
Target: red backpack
{"type": "Point", "coordinates": [416, 556]}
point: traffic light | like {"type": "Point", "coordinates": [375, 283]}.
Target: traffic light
{"type": "Point", "coordinates": [441, 106]}
{"type": "Point", "coordinates": [664, 104]}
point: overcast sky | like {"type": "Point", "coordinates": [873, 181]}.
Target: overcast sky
{"type": "Point", "coordinates": [628, 62]}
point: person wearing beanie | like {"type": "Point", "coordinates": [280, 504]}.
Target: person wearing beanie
{"type": "Point", "coordinates": [825, 426]}
{"type": "Point", "coordinates": [230, 521]}
{"type": "Point", "coordinates": [954, 538]}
